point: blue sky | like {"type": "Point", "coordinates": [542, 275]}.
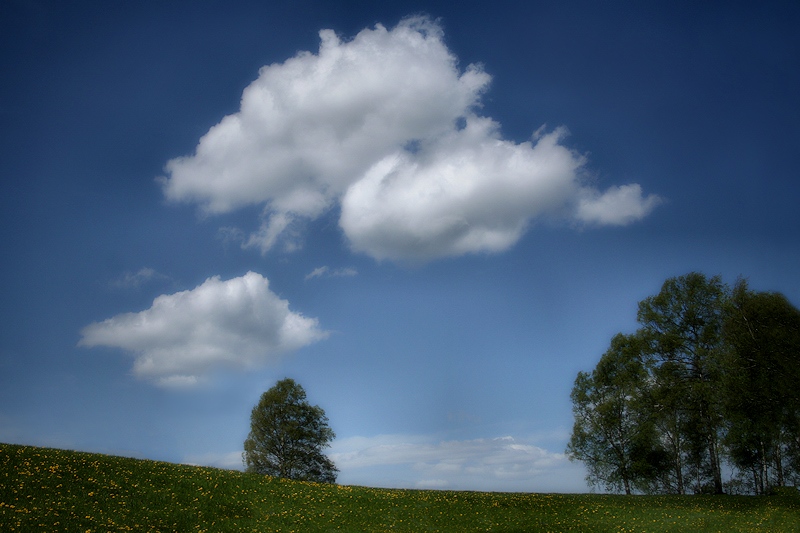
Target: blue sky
{"type": "Point", "coordinates": [431, 215]}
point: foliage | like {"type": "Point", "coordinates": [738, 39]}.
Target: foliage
{"type": "Point", "coordinates": [56, 490]}
{"type": "Point", "coordinates": [710, 376]}
{"type": "Point", "coordinates": [613, 433]}
{"type": "Point", "coordinates": [763, 402]}
{"type": "Point", "coordinates": [287, 436]}
{"type": "Point", "coordinates": [681, 327]}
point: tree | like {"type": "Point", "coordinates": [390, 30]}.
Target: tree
{"type": "Point", "coordinates": [287, 436]}
{"type": "Point", "coordinates": [762, 333]}
{"type": "Point", "coordinates": [710, 375]}
{"type": "Point", "coordinates": [682, 329]}
{"type": "Point", "coordinates": [613, 433]}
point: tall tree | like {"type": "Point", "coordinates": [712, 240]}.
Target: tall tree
{"type": "Point", "coordinates": [681, 327]}
{"type": "Point", "coordinates": [762, 333]}
{"type": "Point", "coordinates": [287, 436]}
{"type": "Point", "coordinates": [671, 422]}
{"type": "Point", "coordinates": [613, 434]}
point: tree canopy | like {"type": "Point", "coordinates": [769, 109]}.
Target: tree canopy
{"type": "Point", "coordinates": [287, 436]}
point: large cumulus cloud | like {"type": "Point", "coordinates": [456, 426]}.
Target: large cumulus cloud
{"type": "Point", "coordinates": [239, 323]}
{"type": "Point", "coordinates": [386, 126]}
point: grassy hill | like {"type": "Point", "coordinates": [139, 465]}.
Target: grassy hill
{"type": "Point", "coordinates": [55, 490]}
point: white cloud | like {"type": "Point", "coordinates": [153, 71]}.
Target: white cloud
{"type": "Point", "coordinates": [239, 323]}
{"type": "Point", "coordinates": [432, 484]}
{"type": "Point", "coordinates": [309, 126]}
{"type": "Point", "coordinates": [318, 272]}
{"type": "Point", "coordinates": [325, 271]}
{"type": "Point", "coordinates": [385, 125]}
{"type": "Point", "coordinates": [503, 463]}
{"type": "Point", "coordinates": [617, 206]}
{"type": "Point", "coordinates": [467, 191]}
{"type": "Point", "coordinates": [228, 461]}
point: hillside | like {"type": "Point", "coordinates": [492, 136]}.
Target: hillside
{"type": "Point", "coordinates": [56, 490]}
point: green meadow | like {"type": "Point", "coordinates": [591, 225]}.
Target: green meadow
{"type": "Point", "coordinates": [45, 489]}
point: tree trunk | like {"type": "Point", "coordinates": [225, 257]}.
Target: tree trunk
{"type": "Point", "coordinates": [756, 480]}
{"type": "Point", "coordinates": [678, 462]}
{"type": "Point", "coordinates": [764, 477]}
{"type": "Point", "coordinates": [715, 465]}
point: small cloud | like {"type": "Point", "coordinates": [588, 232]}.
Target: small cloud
{"type": "Point", "coordinates": [283, 228]}
{"type": "Point", "coordinates": [325, 271]}
{"type": "Point", "coordinates": [135, 281]}
{"type": "Point", "coordinates": [228, 235]}
{"type": "Point", "coordinates": [618, 206]}
{"type": "Point", "coordinates": [180, 382]}
{"type": "Point", "coordinates": [431, 484]}
{"type": "Point", "coordinates": [228, 461]}
{"type": "Point", "coordinates": [239, 323]}
{"type": "Point", "coordinates": [318, 272]}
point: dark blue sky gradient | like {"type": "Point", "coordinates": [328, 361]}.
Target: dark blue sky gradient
{"type": "Point", "coordinates": [696, 102]}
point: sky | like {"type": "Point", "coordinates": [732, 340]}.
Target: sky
{"type": "Point", "coordinates": [432, 215]}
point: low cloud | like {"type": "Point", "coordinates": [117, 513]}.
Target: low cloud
{"type": "Point", "coordinates": [422, 462]}
{"type": "Point", "coordinates": [239, 324]}
{"type": "Point", "coordinates": [386, 127]}
{"type": "Point", "coordinates": [228, 461]}
{"type": "Point", "coordinates": [503, 463]}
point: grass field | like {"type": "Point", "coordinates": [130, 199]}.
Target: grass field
{"type": "Point", "coordinates": [55, 490]}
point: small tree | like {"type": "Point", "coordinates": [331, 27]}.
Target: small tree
{"type": "Point", "coordinates": [287, 436]}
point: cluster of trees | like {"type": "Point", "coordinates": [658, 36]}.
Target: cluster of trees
{"type": "Point", "coordinates": [702, 398]}
{"type": "Point", "coordinates": [287, 436]}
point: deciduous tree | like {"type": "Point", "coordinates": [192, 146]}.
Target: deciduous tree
{"type": "Point", "coordinates": [613, 433]}
{"type": "Point", "coordinates": [682, 328]}
{"type": "Point", "coordinates": [287, 436]}
{"type": "Point", "coordinates": [710, 375]}
{"type": "Point", "coordinates": [762, 332]}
